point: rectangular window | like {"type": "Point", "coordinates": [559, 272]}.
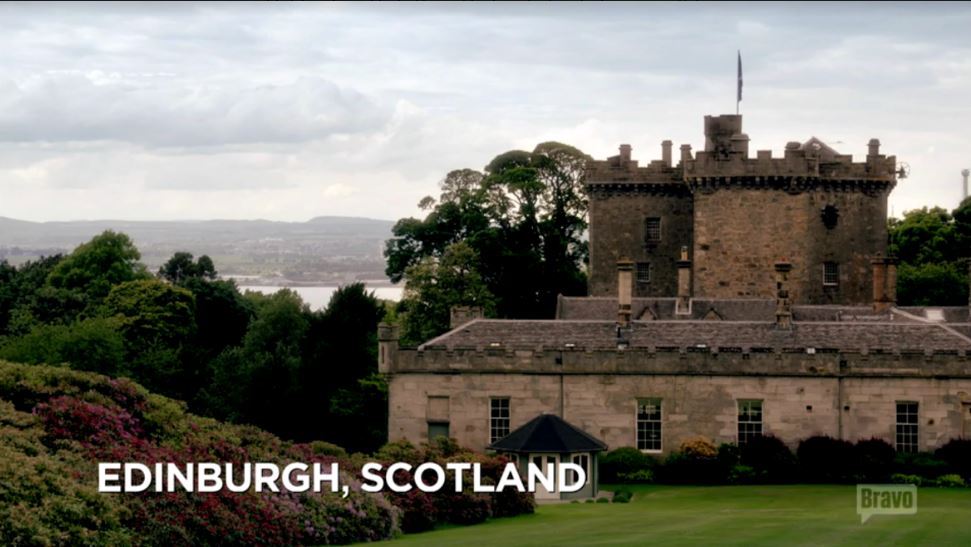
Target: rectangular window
{"type": "Point", "coordinates": [652, 230]}
{"type": "Point", "coordinates": [437, 429]}
{"type": "Point", "coordinates": [907, 426]}
{"type": "Point", "coordinates": [749, 420]}
{"type": "Point", "coordinates": [583, 460]}
{"type": "Point", "coordinates": [643, 273]}
{"type": "Point", "coordinates": [498, 418]}
{"type": "Point", "coordinates": [649, 424]}
{"type": "Point", "coordinates": [831, 274]}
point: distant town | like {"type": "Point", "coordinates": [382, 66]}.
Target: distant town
{"type": "Point", "coordinates": [323, 251]}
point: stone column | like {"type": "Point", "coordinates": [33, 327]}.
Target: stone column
{"type": "Point", "coordinates": [685, 154]}
{"type": "Point", "coordinates": [387, 347]}
{"type": "Point", "coordinates": [625, 150]}
{"type": "Point", "coordinates": [884, 283]}
{"type": "Point", "coordinates": [625, 289]}
{"type": "Point", "coordinates": [684, 283]}
{"type": "Point", "coordinates": [783, 306]}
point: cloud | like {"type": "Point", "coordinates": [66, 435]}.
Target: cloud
{"type": "Point", "coordinates": [297, 110]}
{"type": "Point", "coordinates": [140, 109]}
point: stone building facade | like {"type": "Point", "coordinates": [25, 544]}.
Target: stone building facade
{"type": "Point", "coordinates": [735, 334]}
{"type": "Point", "coordinates": [738, 214]}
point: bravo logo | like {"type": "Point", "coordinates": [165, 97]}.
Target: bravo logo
{"type": "Point", "coordinates": [885, 499]}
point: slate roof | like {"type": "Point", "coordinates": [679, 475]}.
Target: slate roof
{"type": "Point", "coordinates": [743, 335]}
{"type": "Point", "coordinates": [740, 309]}
{"type": "Point", "coordinates": [548, 433]}
{"type": "Point", "coordinates": [605, 308]}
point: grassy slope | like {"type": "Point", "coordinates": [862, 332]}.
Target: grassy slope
{"type": "Point", "coordinates": [739, 515]}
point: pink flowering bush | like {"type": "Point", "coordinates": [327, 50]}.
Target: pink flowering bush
{"type": "Point", "coordinates": [56, 424]}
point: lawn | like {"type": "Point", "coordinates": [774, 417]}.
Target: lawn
{"type": "Point", "coordinates": [740, 515]}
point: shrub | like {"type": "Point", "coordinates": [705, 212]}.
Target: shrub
{"type": "Point", "coordinates": [957, 454]}
{"type": "Point", "coordinates": [825, 459]}
{"type": "Point", "coordinates": [874, 459]}
{"type": "Point", "coordinates": [900, 478]}
{"type": "Point", "coordinates": [920, 463]}
{"type": "Point", "coordinates": [769, 458]}
{"type": "Point", "coordinates": [603, 500]}
{"type": "Point", "coordinates": [622, 496]}
{"type": "Point", "coordinates": [624, 461]}
{"type": "Point", "coordinates": [742, 474]}
{"type": "Point", "coordinates": [680, 468]}
{"type": "Point", "coordinates": [950, 480]}
{"type": "Point", "coordinates": [729, 455]}
{"type": "Point", "coordinates": [462, 507]}
{"type": "Point", "coordinates": [511, 502]}
{"type": "Point", "coordinates": [641, 476]}
{"type": "Point", "coordinates": [699, 448]}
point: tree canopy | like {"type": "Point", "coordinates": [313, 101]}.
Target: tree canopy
{"type": "Point", "coordinates": [933, 246]}
{"type": "Point", "coordinates": [519, 229]}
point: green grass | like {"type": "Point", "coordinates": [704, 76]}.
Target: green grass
{"type": "Point", "coordinates": [737, 515]}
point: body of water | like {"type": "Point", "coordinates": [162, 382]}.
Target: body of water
{"type": "Point", "coordinates": [318, 297]}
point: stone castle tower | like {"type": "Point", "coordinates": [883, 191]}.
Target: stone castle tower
{"type": "Point", "coordinates": [738, 215]}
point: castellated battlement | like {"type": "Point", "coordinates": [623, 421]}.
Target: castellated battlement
{"type": "Point", "coordinates": [738, 213]}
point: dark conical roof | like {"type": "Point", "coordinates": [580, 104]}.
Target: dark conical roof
{"type": "Point", "coordinates": [548, 433]}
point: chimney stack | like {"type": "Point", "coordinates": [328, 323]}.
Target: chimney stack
{"type": "Point", "coordinates": [666, 153]}
{"type": "Point", "coordinates": [460, 315]}
{"type": "Point", "coordinates": [685, 154]}
{"type": "Point", "coordinates": [624, 154]}
{"type": "Point", "coordinates": [964, 174]}
{"type": "Point", "coordinates": [783, 307]}
{"type": "Point", "coordinates": [874, 147]}
{"type": "Point", "coordinates": [625, 286]}
{"type": "Point", "coordinates": [684, 284]}
{"type": "Point", "coordinates": [884, 284]}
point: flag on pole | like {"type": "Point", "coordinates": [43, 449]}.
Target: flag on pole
{"type": "Point", "coordinates": [739, 97]}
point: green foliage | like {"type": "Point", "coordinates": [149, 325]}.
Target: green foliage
{"type": "Point", "coordinates": [522, 222]}
{"type": "Point", "coordinates": [874, 458]}
{"type": "Point", "coordinates": [923, 464]}
{"type": "Point", "coordinates": [56, 424]}
{"type": "Point", "coordinates": [932, 245]}
{"type": "Point", "coordinates": [41, 500]}
{"type": "Point", "coordinates": [635, 477]}
{"type": "Point", "coordinates": [932, 284]}
{"type": "Point", "coordinates": [180, 268]}
{"type": "Point", "coordinates": [603, 500]}
{"type": "Point", "coordinates": [622, 496]}
{"type": "Point", "coordinates": [94, 345]}
{"type": "Point", "coordinates": [434, 286]}
{"type": "Point", "coordinates": [825, 459]}
{"type": "Point", "coordinates": [150, 311]}
{"type": "Point", "coordinates": [624, 464]}
{"type": "Point", "coordinates": [96, 266]}
{"type": "Point", "coordinates": [957, 454]}
{"type": "Point", "coordinates": [950, 481]}
{"type": "Point", "coordinates": [902, 478]}
{"type": "Point", "coordinates": [769, 458]}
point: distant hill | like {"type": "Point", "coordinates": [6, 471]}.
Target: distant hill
{"type": "Point", "coordinates": [323, 249]}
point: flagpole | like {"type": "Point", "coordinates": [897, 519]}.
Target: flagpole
{"type": "Point", "coordinates": [738, 95]}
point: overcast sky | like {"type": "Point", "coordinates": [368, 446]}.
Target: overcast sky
{"type": "Point", "coordinates": [285, 112]}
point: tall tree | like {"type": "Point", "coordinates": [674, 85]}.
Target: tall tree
{"type": "Point", "coordinates": [94, 267]}
{"type": "Point", "coordinates": [524, 222]}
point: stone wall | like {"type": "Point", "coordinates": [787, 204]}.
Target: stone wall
{"type": "Point", "coordinates": [617, 230]}
{"type": "Point", "coordinates": [734, 252]}
{"type": "Point", "coordinates": [604, 405]}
